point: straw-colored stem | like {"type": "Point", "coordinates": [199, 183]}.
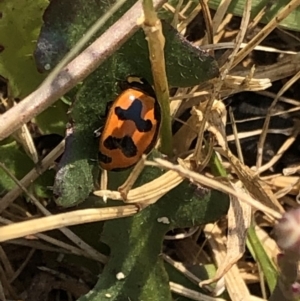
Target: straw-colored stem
{"type": "Point", "coordinates": [156, 42]}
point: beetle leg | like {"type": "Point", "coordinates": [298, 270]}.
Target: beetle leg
{"type": "Point", "coordinates": [97, 132]}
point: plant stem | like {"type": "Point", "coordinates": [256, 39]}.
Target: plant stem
{"type": "Point", "coordinates": [156, 42]}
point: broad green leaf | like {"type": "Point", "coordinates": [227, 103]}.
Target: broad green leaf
{"type": "Point", "coordinates": [20, 24]}
{"type": "Point", "coordinates": [136, 243]}
{"type": "Point", "coordinates": [236, 7]}
{"type": "Point", "coordinates": [64, 24]}
{"type": "Point", "coordinates": [186, 65]}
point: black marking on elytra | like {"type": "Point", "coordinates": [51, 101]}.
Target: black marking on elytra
{"type": "Point", "coordinates": [133, 113]}
{"type": "Point", "coordinates": [103, 158]}
{"type": "Point", "coordinates": [125, 144]}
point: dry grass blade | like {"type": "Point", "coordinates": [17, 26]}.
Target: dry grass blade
{"type": "Point", "coordinates": [239, 220]}
{"type": "Point", "coordinates": [288, 184]}
{"type": "Point", "coordinates": [177, 14]}
{"type": "Point", "coordinates": [182, 26]}
{"type": "Point", "coordinates": [236, 137]}
{"type": "Point", "coordinates": [259, 16]}
{"type": "Point", "coordinates": [236, 287]}
{"type": "Point", "coordinates": [285, 146]}
{"type": "Point", "coordinates": [243, 135]}
{"type": "Point", "coordinates": [188, 131]}
{"type": "Point", "coordinates": [181, 268]}
{"type": "Point", "coordinates": [235, 83]}
{"type": "Point", "coordinates": [77, 217]}
{"type": "Point", "coordinates": [208, 21]}
{"type": "Point", "coordinates": [291, 170]}
{"type": "Point", "coordinates": [60, 245]}
{"type": "Point", "coordinates": [191, 294]}
{"type": "Point", "coordinates": [219, 15]}
{"type": "Point", "coordinates": [39, 245]}
{"type": "Point", "coordinates": [201, 179]}
{"type": "Point", "coordinates": [258, 188]}
{"type": "Point", "coordinates": [238, 41]}
{"type": "Point", "coordinates": [226, 45]}
{"type": "Point", "coordinates": [148, 193]}
{"type": "Point", "coordinates": [284, 68]}
{"type": "Point", "coordinates": [198, 156]}
{"type": "Point", "coordinates": [254, 185]}
{"type": "Point", "coordinates": [22, 135]}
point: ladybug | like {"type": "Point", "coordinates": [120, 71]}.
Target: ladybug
{"type": "Point", "coordinates": [132, 125]}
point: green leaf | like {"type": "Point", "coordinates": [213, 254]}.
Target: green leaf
{"type": "Point", "coordinates": [20, 24]}
{"type": "Point", "coordinates": [41, 187]}
{"type": "Point", "coordinates": [136, 243]}
{"type": "Point", "coordinates": [16, 161]}
{"type": "Point", "coordinates": [66, 21]}
{"type": "Point", "coordinates": [64, 24]}
{"type": "Point", "coordinates": [74, 180]}
{"type": "Point", "coordinates": [19, 164]}
{"type": "Point", "coordinates": [236, 7]}
{"type": "Point", "coordinates": [260, 255]}
{"type": "Point", "coordinates": [186, 65]}
{"type": "Point", "coordinates": [54, 119]}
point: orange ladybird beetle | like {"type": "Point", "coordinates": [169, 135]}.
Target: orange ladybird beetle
{"type": "Point", "coordinates": [132, 125]}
